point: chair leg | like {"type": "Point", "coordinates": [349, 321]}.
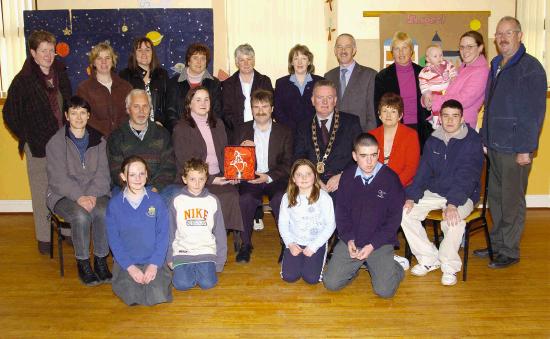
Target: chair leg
{"type": "Point", "coordinates": [435, 226]}
{"type": "Point", "coordinates": [51, 236]}
{"type": "Point", "coordinates": [466, 249]}
{"type": "Point", "coordinates": [60, 250]}
{"type": "Point", "coordinates": [488, 238]}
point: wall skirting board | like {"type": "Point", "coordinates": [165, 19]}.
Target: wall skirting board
{"type": "Point", "coordinates": [15, 206]}
{"type": "Point", "coordinates": [18, 206]}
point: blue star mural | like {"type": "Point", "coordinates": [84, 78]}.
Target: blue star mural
{"type": "Point", "coordinates": [76, 31]}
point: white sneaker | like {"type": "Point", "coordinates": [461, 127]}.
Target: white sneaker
{"type": "Point", "coordinates": [421, 270]}
{"type": "Point", "coordinates": [448, 279]}
{"type": "Point", "coordinates": [404, 262]}
{"type": "Point", "coordinates": [258, 225]}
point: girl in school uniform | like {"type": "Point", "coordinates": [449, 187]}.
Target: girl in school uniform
{"type": "Point", "coordinates": [137, 230]}
{"type": "Point", "coordinates": [306, 222]}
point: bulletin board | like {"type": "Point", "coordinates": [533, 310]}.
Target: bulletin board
{"type": "Point", "coordinates": [426, 28]}
{"type": "Point", "coordinates": [76, 31]}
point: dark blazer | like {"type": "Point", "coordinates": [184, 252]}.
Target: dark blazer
{"type": "Point", "coordinates": [359, 95]}
{"type": "Point", "coordinates": [175, 98]}
{"type": "Point", "coordinates": [291, 108]}
{"type": "Point", "coordinates": [189, 143]}
{"type": "Point", "coordinates": [157, 85]}
{"type": "Point", "coordinates": [280, 152]}
{"type": "Point", "coordinates": [340, 156]}
{"type": "Point", "coordinates": [386, 81]}
{"type": "Point", "coordinates": [27, 111]}
{"type": "Point", "coordinates": [233, 97]}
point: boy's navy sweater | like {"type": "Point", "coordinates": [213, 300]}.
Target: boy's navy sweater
{"type": "Point", "coordinates": [369, 214]}
{"type": "Point", "coordinates": [138, 236]}
{"type": "Point", "coordinates": [452, 169]}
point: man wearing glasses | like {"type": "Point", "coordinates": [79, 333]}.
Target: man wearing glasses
{"type": "Point", "coordinates": [515, 104]}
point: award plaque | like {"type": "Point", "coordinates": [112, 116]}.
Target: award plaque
{"type": "Point", "coordinates": [239, 162]}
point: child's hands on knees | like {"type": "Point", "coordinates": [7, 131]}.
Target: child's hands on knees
{"type": "Point", "coordinates": [294, 249]}
{"type": "Point", "coordinates": [136, 274]}
{"type": "Point", "coordinates": [150, 273]}
{"type": "Point", "coordinates": [308, 252]}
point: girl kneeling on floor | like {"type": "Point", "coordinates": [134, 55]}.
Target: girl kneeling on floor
{"type": "Point", "coordinates": [137, 229]}
{"type": "Point", "coordinates": [306, 222]}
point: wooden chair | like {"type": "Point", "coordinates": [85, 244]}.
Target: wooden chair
{"type": "Point", "coordinates": [475, 221]}
{"type": "Point", "coordinates": [57, 223]}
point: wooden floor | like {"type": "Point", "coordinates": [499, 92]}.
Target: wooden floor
{"type": "Point", "coordinates": [252, 301]}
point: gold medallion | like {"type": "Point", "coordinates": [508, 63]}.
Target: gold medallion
{"type": "Point", "coordinates": [320, 167]}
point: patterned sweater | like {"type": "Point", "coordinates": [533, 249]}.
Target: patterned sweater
{"type": "Point", "coordinates": [155, 148]}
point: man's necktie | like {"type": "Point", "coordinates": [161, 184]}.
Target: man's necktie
{"type": "Point", "coordinates": [343, 82]}
{"type": "Point", "coordinates": [324, 131]}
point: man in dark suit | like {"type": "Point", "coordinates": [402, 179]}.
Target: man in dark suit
{"type": "Point", "coordinates": [237, 89]}
{"type": "Point", "coordinates": [327, 139]}
{"type": "Point", "coordinates": [273, 144]}
{"type": "Point", "coordinates": [355, 83]}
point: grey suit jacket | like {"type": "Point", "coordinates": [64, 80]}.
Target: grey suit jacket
{"type": "Point", "coordinates": [359, 95]}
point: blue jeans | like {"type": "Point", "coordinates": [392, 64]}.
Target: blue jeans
{"type": "Point", "coordinates": [81, 222]}
{"type": "Point", "coordinates": [187, 276]}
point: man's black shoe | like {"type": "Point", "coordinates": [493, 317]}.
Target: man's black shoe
{"type": "Point", "coordinates": [502, 261]}
{"type": "Point", "coordinates": [244, 253]}
{"type": "Point", "coordinates": [85, 273]}
{"type": "Point", "coordinates": [102, 269]}
{"type": "Point", "coordinates": [481, 253]}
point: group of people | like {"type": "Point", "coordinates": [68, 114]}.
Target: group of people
{"type": "Point", "coordinates": [135, 161]}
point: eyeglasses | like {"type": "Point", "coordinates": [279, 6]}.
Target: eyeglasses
{"type": "Point", "coordinates": [507, 34]}
{"type": "Point", "coordinates": [467, 47]}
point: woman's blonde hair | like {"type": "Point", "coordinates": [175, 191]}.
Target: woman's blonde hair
{"type": "Point", "coordinates": [402, 37]}
{"type": "Point", "coordinates": [102, 46]}
{"type": "Point", "coordinates": [292, 189]}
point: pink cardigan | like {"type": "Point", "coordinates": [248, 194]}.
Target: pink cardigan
{"type": "Point", "coordinates": [468, 87]}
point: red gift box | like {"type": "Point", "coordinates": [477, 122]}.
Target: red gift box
{"type": "Point", "coordinates": [239, 162]}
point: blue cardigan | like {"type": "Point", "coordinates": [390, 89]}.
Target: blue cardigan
{"type": "Point", "coordinates": [451, 170]}
{"type": "Point", "coordinates": [290, 107]}
{"type": "Point", "coordinates": [515, 104]}
{"type": "Point", "coordinates": [138, 236]}
{"type": "Point", "coordinates": [369, 214]}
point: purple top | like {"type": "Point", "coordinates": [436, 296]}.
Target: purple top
{"type": "Point", "coordinates": [407, 89]}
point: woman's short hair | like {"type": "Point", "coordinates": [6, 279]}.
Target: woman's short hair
{"type": "Point", "coordinates": [197, 48]}
{"type": "Point", "coordinates": [391, 100]}
{"type": "Point", "coordinates": [478, 38]}
{"type": "Point", "coordinates": [76, 102]}
{"type": "Point", "coordinates": [302, 49]}
{"type": "Point", "coordinates": [102, 46]}
{"type": "Point", "coordinates": [401, 37]}
{"type": "Point", "coordinates": [244, 49]}
{"type": "Point", "coordinates": [38, 37]}
{"type": "Point", "coordinates": [132, 60]}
